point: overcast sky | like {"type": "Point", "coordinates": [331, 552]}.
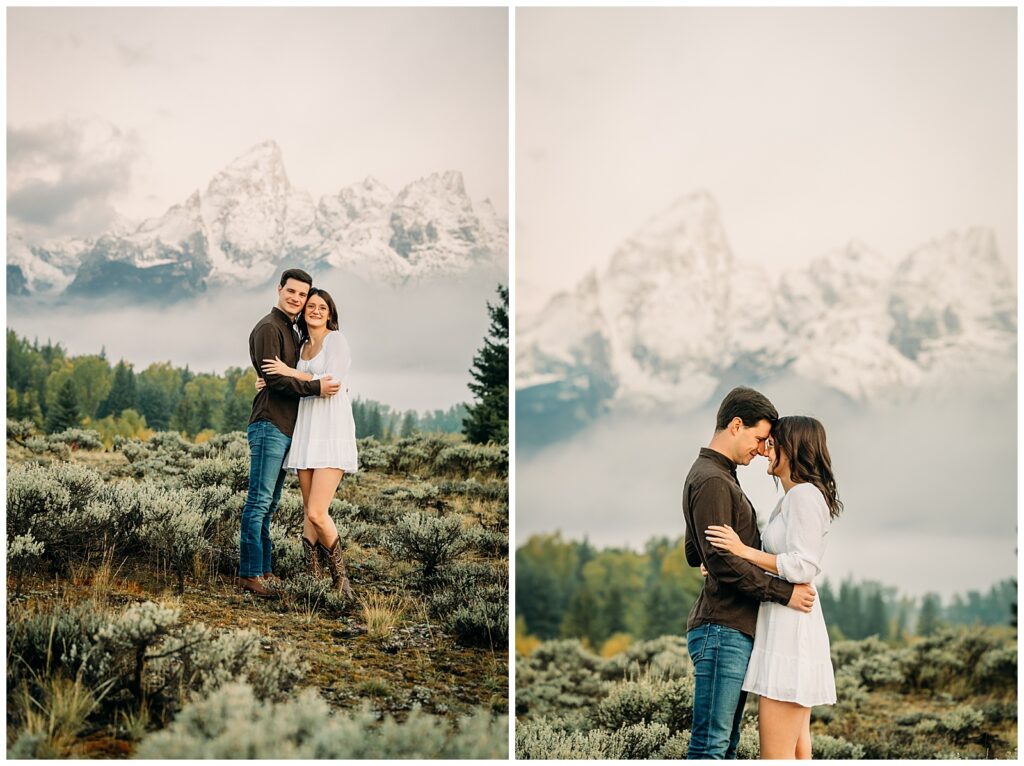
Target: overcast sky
{"type": "Point", "coordinates": [134, 109]}
{"type": "Point", "coordinates": [809, 126]}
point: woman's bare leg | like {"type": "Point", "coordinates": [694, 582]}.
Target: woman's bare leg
{"type": "Point", "coordinates": [323, 484]}
{"type": "Point", "coordinates": [779, 726]}
{"type": "Point", "coordinates": [803, 745]}
{"type": "Point", "coordinates": [305, 487]}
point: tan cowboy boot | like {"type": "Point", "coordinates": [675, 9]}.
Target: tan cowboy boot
{"type": "Point", "coordinates": [311, 555]}
{"type": "Point", "coordinates": [336, 563]}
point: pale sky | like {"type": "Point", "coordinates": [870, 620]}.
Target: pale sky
{"type": "Point", "coordinates": [809, 126]}
{"type": "Point", "coordinates": [133, 109]}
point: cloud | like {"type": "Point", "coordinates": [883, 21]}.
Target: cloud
{"type": "Point", "coordinates": [915, 480]}
{"type": "Point", "coordinates": [62, 177]}
{"type": "Point", "coordinates": [133, 56]}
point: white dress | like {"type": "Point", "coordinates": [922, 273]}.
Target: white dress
{"type": "Point", "coordinates": [325, 432]}
{"type": "Point", "coordinates": [791, 661]}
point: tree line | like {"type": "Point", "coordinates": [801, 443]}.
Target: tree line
{"type": "Point", "coordinates": [57, 391]}
{"type": "Point", "coordinates": [569, 589]}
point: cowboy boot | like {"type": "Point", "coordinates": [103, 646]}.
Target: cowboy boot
{"type": "Point", "coordinates": [311, 555]}
{"type": "Point", "coordinates": [336, 563]}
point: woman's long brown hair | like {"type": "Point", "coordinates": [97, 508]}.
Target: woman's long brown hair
{"type": "Point", "coordinates": [802, 440]}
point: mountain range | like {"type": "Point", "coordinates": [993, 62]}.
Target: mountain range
{"type": "Point", "coordinates": [674, 317]}
{"type": "Point", "coordinates": [250, 223]}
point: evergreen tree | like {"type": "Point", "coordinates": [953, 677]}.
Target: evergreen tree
{"type": "Point", "coordinates": [928, 621]}
{"type": "Point", "coordinates": [65, 412]}
{"type": "Point", "coordinates": [359, 416]}
{"type": "Point", "coordinates": [409, 424]}
{"type": "Point", "coordinates": [375, 423]}
{"type": "Point", "coordinates": [487, 420]}
{"type": "Point", "coordinates": [876, 619]}
{"type": "Point", "coordinates": [123, 395]}
{"type": "Point", "coordinates": [159, 391]}
{"type": "Point", "coordinates": [850, 617]}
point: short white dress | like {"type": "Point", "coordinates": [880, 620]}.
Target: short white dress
{"type": "Point", "coordinates": [791, 660]}
{"type": "Point", "coordinates": [325, 432]}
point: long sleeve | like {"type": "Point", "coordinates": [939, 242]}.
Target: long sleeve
{"type": "Point", "coordinates": [692, 554]}
{"type": "Point", "coordinates": [712, 504]}
{"type": "Point", "coordinates": [337, 357]}
{"type": "Point", "coordinates": [807, 523]}
{"type": "Point", "coordinates": [267, 344]}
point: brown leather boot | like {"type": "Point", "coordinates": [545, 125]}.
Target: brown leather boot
{"type": "Point", "coordinates": [336, 563]}
{"type": "Point", "coordinates": [311, 555]}
{"type": "Point", "coordinates": [255, 586]}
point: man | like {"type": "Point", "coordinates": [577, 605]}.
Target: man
{"type": "Point", "coordinates": [720, 628]}
{"type": "Point", "coordinates": [271, 425]}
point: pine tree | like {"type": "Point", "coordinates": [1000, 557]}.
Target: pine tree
{"type": "Point", "coordinates": [928, 621]}
{"type": "Point", "coordinates": [65, 412]}
{"type": "Point", "coordinates": [375, 423]}
{"type": "Point", "coordinates": [123, 395]}
{"type": "Point", "coordinates": [409, 424]}
{"type": "Point", "coordinates": [876, 619]}
{"type": "Point", "coordinates": [487, 419]}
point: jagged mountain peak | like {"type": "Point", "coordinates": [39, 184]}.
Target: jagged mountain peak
{"type": "Point", "coordinates": [673, 317]}
{"type": "Point", "coordinates": [687, 235]}
{"type": "Point", "coordinates": [447, 185]}
{"type": "Point", "coordinates": [248, 221]}
{"type": "Point", "coordinates": [260, 170]}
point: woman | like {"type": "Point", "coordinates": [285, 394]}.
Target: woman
{"type": "Point", "coordinates": [324, 442]}
{"type": "Point", "coordinates": [791, 665]}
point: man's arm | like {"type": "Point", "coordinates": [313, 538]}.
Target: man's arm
{"type": "Point", "coordinates": [712, 504]}
{"type": "Point", "coordinates": [267, 344]}
{"type": "Point", "coordinates": [692, 554]}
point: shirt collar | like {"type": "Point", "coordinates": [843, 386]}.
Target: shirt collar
{"type": "Point", "coordinates": [718, 459]}
{"type": "Point", "coordinates": [276, 312]}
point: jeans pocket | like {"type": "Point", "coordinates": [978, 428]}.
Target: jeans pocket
{"type": "Point", "coordinates": [697, 642]}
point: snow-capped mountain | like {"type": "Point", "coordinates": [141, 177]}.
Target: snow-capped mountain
{"type": "Point", "coordinates": [674, 317]}
{"type": "Point", "coordinates": [250, 222]}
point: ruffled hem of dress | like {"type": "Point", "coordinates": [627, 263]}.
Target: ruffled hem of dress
{"type": "Point", "coordinates": [790, 679]}
{"type": "Point", "coordinates": [336, 459]}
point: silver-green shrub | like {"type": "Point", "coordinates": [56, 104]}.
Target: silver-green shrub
{"type": "Point", "coordinates": [431, 541]}
{"type": "Point", "coordinates": [233, 723]}
{"type": "Point", "coordinates": [647, 699]}
{"type": "Point", "coordinates": [826, 748]}
{"type": "Point", "coordinates": [77, 438]}
{"type": "Point", "coordinates": [540, 740]}
{"type": "Point", "coordinates": [20, 430]}
{"type": "Point", "coordinates": [231, 472]}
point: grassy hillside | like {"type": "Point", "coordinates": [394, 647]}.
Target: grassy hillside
{"type": "Point", "coordinates": [126, 635]}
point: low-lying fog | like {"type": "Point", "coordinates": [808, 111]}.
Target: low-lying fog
{"type": "Point", "coordinates": [930, 487]}
{"type": "Point", "coordinates": [412, 347]}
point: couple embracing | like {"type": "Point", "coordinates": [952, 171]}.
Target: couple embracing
{"type": "Point", "coordinates": [757, 626]}
{"type": "Point", "coordinates": [301, 422]}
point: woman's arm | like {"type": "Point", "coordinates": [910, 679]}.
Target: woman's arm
{"type": "Point", "coordinates": [337, 357]}
{"type": "Point", "coordinates": [725, 538]}
{"type": "Point", "coordinates": [276, 367]}
{"type": "Point", "coordinates": [807, 523]}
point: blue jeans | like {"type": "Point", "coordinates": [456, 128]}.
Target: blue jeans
{"type": "Point", "coordinates": [720, 657]}
{"type": "Point", "coordinates": [267, 448]}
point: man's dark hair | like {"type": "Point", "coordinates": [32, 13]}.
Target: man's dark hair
{"type": "Point", "coordinates": [748, 405]}
{"type": "Point", "coordinates": [298, 274]}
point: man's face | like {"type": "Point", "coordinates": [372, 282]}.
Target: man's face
{"type": "Point", "coordinates": [291, 297]}
{"type": "Point", "coordinates": [751, 441]}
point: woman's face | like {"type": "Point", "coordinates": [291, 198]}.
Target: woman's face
{"type": "Point", "coordinates": [317, 312]}
{"type": "Point", "coordinates": [777, 463]}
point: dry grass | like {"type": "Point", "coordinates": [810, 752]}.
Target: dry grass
{"type": "Point", "coordinates": [381, 613]}
{"type": "Point", "coordinates": [57, 711]}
